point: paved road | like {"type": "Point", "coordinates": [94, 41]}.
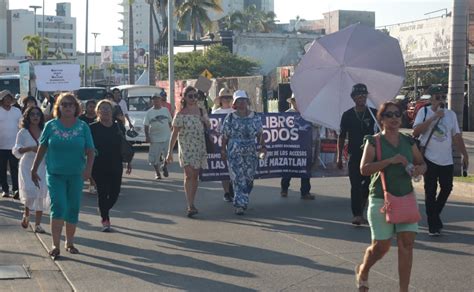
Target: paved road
{"type": "Point", "coordinates": [279, 245]}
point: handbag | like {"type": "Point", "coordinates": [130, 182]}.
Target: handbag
{"type": "Point", "coordinates": [397, 209]}
{"type": "Point", "coordinates": [126, 148]}
{"type": "Point", "coordinates": [207, 137]}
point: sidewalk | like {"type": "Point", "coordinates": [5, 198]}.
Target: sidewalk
{"type": "Point", "coordinates": [22, 247]}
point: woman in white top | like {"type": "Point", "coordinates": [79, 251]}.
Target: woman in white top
{"type": "Point", "coordinates": [25, 148]}
{"type": "Point", "coordinates": [224, 104]}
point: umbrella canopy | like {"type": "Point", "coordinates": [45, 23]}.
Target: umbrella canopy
{"type": "Point", "coordinates": [323, 80]}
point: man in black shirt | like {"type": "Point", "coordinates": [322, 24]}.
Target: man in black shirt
{"type": "Point", "coordinates": [356, 122]}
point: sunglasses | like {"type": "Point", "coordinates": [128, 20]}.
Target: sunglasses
{"type": "Point", "coordinates": [35, 114]}
{"type": "Point", "coordinates": [396, 114]}
{"type": "Point", "coordinates": [192, 95]}
{"type": "Point", "coordinates": [67, 104]}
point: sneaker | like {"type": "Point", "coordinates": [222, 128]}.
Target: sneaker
{"type": "Point", "coordinates": [157, 176]}
{"type": "Point", "coordinates": [434, 234]}
{"type": "Point", "coordinates": [284, 194]}
{"type": "Point", "coordinates": [16, 195]}
{"type": "Point", "coordinates": [105, 225]}
{"type": "Point", "coordinates": [165, 171]}
{"type": "Point", "coordinates": [5, 195]}
{"type": "Point", "coordinates": [307, 196]}
{"type": "Point", "coordinates": [239, 211]}
{"type": "Point", "coordinates": [39, 229]}
{"type": "Point", "coordinates": [227, 197]}
{"type": "Point", "coordinates": [92, 190]}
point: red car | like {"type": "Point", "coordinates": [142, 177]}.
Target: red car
{"type": "Point", "coordinates": [414, 106]}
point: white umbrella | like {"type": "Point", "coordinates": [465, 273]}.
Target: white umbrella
{"type": "Point", "coordinates": [323, 79]}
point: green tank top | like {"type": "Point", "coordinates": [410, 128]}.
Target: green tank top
{"type": "Point", "coordinates": [397, 179]}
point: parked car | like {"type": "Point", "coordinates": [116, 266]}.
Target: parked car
{"type": "Point", "coordinates": [138, 99]}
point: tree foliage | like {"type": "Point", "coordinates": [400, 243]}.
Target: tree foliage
{"type": "Point", "coordinates": [33, 46]}
{"type": "Point", "coordinates": [250, 20]}
{"type": "Point", "coordinates": [217, 59]}
{"type": "Point", "coordinates": [195, 12]}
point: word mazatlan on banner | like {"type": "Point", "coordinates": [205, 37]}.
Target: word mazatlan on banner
{"type": "Point", "coordinates": [288, 139]}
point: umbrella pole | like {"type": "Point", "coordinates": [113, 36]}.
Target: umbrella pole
{"type": "Point", "coordinates": [375, 120]}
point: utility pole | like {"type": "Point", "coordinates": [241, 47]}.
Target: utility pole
{"type": "Point", "coordinates": [84, 80]}
{"type": "Point", "coordinates": [42, 37]}
{"type": "Point", "coordinates": [457, 68]}
{"type": "Point", "coordinates": [95, 34]}
{"type": "Point", "coordinates": [151, 48]}
{"type": "Point", "coordinates": [34, 7]}
{"type": "Point", "coordinates": [171, 54]}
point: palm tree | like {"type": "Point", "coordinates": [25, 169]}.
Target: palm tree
{"type": "Point", "coordinates": [33, 46]}
{"type": "Point", "coordinates": [250, 20]}
{"type": "Point", "coordinates": [195, 11]}
{"type": "Point", "coordinates": [131, 48]}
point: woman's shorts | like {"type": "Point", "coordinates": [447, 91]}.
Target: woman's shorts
{"type": "Point", "coordinates": [379, 228]}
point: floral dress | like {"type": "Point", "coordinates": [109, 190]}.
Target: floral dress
{"type": "Point", "coordinates": [192, 147]}
{"type": "Point", "coordinates": [242, 153]}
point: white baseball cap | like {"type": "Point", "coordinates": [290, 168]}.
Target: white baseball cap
{"type": "Point", "coordinates": [240, 94]}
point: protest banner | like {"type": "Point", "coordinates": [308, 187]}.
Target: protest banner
{"type": "Point", "coordinates": [60, 77]}
{"type": "Point", "coordinates": [288, 139]}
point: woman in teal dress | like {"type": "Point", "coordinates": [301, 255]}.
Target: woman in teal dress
{"type": "Point", "coordinates": [398, 150]}
{"type": "Point", "coordinates": [67, 143]}
{"type": "Point", "coordinates": [241, 130]}
{"type": "Point", "coordinates": [188, 130]}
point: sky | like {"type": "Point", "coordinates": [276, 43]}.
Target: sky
{"type": "Point", "coordinates": [104, 14]}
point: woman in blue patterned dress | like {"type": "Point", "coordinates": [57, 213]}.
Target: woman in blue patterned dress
{"type": "Point", "coordinates": [238, 146]}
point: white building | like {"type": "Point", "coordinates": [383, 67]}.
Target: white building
{"type": "Point", "coordinates": [141, 16]}
{"type": "Point", "coordinates": [3, 27]}
{"type": "Point", "coordinates": [59, 30]}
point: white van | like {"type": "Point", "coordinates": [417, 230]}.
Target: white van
{"type": "Point", "coordinates": [138, 99]}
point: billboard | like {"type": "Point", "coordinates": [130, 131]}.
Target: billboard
{"type": "Point", "coordinates": [425, 41]}
{"type": "Point", "coordinates": [119, 55]}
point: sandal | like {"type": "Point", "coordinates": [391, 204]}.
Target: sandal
{"type": "Point", "coordinates": [359, 282]}
{"type": "Point", "coordinates": [72, 249]}
{"type": "Point", "coordinates": [192, 211]}
{"type": "Point", "coordinates": [25, 222]}
{"type": "Point", "coordinates": [54, 253]}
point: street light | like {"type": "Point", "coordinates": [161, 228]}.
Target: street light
{"type": "Point", "coordinates": [95, 34]}
{"type": "Point", "coordinates": [42, 37]}
{"type": "Point", "coordinates": [35, 7]}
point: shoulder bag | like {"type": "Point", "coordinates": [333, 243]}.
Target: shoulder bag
{"type": "Point", "coordinates": [397, 209]}
{"type": "Point", "coordinates": [126, 148]}
{"type": "Point", "coordinates": [207, 137]}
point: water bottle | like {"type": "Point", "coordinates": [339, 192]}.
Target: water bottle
{"type": "Point", "coordinates": [409, 169]}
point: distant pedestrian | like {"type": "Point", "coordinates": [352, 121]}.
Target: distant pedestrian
{"type": "Point", "coordinates": [224, 106]}
{"type": "Point", "coordinates": [67, 143]}
{"type": "Point", "coordinates": [188, 130]}
{"type": "Point", "coordinates": [117, 113]}
{"type": "Point", "coordinates": [9, 126]}
{"type": "Point", "coordinates": [16, 101]}
{"type": "Point", "coordinates": [397, 151]}
{"type": "Point", "coordinates": [164, 101]}
{"type": "Point", "coordinates": [33, 198]}
{"type": "Point", "coordinates": [123, 107]}
{"type": "Point", "coordinates": [157, 124]}
{"type": "Point", "coordinates": [442, 125]}
{"type": "Point", "coordinates": [107, 169]}
{"type": "Point", "coordinates": [28, 101]}
{"type": "Point", "coordinates": [240, 131]}
{"type": "Point", "coordinates": [356, 123]}
{"type": "Point", "coordinates": [89, 116]}
{"type": "Point", "coordinates": [305, 180]}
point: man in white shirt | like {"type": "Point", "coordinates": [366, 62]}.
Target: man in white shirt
{"type": "Point", "coordinates": [157, 124]}
{"type": "Point", "coordinates": [438, 154]}
{"type": "Point", "coordinates": [9, 125]}
{"type": "Point", "coordinates": [123, 106]}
